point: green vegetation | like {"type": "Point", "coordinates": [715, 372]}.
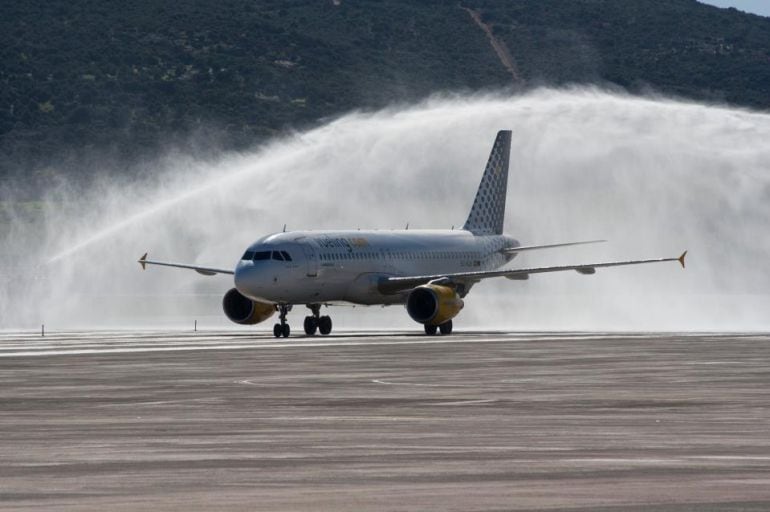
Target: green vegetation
{"type": "Point", "coordinates": [673, 46]}
{"type": "Point", "coordinates": [81, 80]}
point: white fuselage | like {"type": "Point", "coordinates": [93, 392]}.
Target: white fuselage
{"type": "Point", "coordinates": [346, 266]}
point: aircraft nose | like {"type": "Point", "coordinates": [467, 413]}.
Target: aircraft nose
{"type": "Point", "coordinates": [245, 277]}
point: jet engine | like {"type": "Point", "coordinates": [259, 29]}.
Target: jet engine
{"type": "Point", "coordinates": [433, 304]}
{"type": "Point", "coordinates": [243, 310]}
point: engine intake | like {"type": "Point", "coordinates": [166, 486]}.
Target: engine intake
{"type": "Point", "coordinates": [433, 304]}
{"type": "Point", "coordinates": [242, 310]}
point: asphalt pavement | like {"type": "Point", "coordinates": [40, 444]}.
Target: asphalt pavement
{"type": "Point", "coordinates": [144, 420]}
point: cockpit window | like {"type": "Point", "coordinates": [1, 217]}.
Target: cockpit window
{"type": "Point", "coordinates": [286, 255]}
{"type": "Point", "coordinates": [277, 256]}
{"type": "Point", "coordinates": [261, 255]}
{"type": "Point", "coordinates": [248, 255]}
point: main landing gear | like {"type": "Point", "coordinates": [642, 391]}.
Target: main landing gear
{"type": "Point", "coordinates": [322, 323]}
{"type": "Point", "coordinates": [313, 323]}
{"type": "Point", "coordinates": [445, 328]}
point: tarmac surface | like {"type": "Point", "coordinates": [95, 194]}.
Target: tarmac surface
{"type": "Point", "coordinates": [385, 421]}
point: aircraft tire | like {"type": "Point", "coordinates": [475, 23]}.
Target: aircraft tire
{"type": "Point", "coordinates": [446, 327]}
{"type": "Point", "coordinates": [325, 325]}
{"type": "Point", "coordinates": [311, 325]}
{"type": "Point", "coordinates": [430, 330]}
{"type": "Point", "coordinates": [285, 330]}
{"type": "Point", "coordinates": [277, 330]}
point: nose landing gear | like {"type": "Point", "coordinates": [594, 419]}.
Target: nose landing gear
{"type": "Point", "coordinates": [282, 329]}
{"type": "Point", "coordinates": [313, 323]}
{"type": "Point", "coordinates": [322, 323]}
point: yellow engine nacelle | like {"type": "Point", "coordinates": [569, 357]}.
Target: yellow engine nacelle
{"type": "Point", "coordinates": [243, 310]}
{"type": "Point", "coordinates": [433, 304]}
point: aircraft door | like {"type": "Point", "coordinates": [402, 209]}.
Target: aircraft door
{"type": "Point", "coordinates": [311, 256]}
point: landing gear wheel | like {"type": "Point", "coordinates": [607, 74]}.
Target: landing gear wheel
{"type": "Point", "coordinates": [446, 327]}
{"type": "Point", "coordinates": [311, 325]}
{"type": "Point", "coordinates": [282, 329]}
{"type": "Point", "coordinates": [325, 325]}
{"type": "Point", "coordinates": [430, 330]}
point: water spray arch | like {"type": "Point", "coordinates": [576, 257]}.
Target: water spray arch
{"type": "Point", "coordinates": [654, 176]}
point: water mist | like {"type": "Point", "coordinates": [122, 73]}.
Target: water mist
{"type": "Point", "coordinates": [653, 176]}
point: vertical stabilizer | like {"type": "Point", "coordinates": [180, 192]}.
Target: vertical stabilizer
{"type": "Point", "coordinates": [488, 211]}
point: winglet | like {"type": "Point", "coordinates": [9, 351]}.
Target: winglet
{"type": "Point", "coordinates": [681, 258]}
{"type": "Point", "coordinates": [142, 260]}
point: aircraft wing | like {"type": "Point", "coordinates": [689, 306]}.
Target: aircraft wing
{"type": "Point", "coordinates": [206, 271]}
{"type": "Point", "coordinates": [398, 284]}
{"type": "Point", "coordinates": [522, 248]}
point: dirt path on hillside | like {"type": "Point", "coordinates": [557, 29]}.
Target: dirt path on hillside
{"type": "Point", "coordinates": [499, 46]}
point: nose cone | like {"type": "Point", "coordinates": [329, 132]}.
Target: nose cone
{"type": "Point", "coordinates": [246, 278]}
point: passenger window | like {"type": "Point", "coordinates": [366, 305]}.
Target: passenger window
{"type": "Point", "coordinates": [261, 255]}
{"type": "Point", "coordinates": [248, 255]}
{"type": "Point", "coordinates": [277, 256]}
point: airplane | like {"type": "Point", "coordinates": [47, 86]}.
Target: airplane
{"type": "Point", "coordinates": [430, 272]}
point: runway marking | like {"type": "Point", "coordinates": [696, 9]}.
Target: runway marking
{"type": "Point", "coordinates": [467, 402]}
{"type": "Point", "coordinates": [166, 402]}
{"type": "Point", "coordinates": [673, 460]}
{"type": "Point", "coordinates": [373, 419]}
{"type": "Point", "coordinates": [625, 460]}
{"type": "Point", "coordinates": [717, 362]}
{"type": "Point", "coordinates": [178, 346]}
{"type": "Point", "coordinates": [116, 342]}
{"type": "Point", "coordinates": [420, 384]}
{"type": "Point", "coordinates": [730, 457]}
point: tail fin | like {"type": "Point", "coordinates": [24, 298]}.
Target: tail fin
{"type": "Point", "coordinates": [488, 211]}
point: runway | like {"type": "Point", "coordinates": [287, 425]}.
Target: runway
{"type": "Point", "coordinates": [492, 421]}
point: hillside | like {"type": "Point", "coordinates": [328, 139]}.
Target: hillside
{"type": "Point", "coordinates": [85, 80]}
